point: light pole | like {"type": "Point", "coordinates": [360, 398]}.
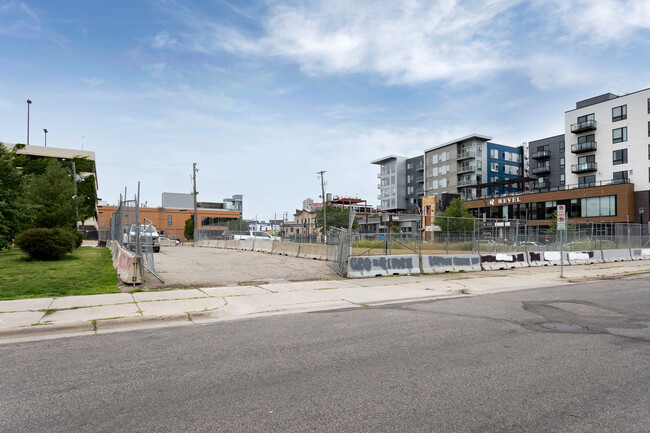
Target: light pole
{"type": "Point", "coordinates": [28, 104]}
{"type": "Point", "coordinates": [45, 131]}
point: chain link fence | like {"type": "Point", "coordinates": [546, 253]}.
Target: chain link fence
{"type": "Point", "coordinates": [450, 235]}
{"type": "Point", "coordinates": [125, 228]}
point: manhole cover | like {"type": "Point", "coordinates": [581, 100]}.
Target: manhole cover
{"type": "Point", "coordinates": [562, 327]}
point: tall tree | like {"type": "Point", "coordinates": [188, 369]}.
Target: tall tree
{"type": "Point", "coordinates": [50, 196]}
{"type": "Point", "coordinates": [189, 228]}
{"type": "Point", "coordinates": [13, 214]}
{"type": "Point", "coordinates": [239, 224]}
{"type": "Point", "coordinates": [456, 218]}
{"type": "Point", "coordinates": [336, 217]}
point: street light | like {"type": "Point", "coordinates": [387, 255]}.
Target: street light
{"type": "Point", "coordinates": [28, 104]}
{"type": "Point", "coordinates": [45, 131]}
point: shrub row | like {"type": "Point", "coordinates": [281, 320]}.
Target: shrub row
{"type": "Point", "coordinates": [48, 244]}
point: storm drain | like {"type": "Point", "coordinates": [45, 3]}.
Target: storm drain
{"type": "Point", "coordinates": [563, 327]}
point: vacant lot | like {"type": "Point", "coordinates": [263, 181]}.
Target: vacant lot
{"type": "Point", "coordinates": [185, 266]}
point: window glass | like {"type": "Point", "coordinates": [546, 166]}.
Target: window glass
{"type": "Point", "coordinates": [587, 138]}
{"type": "Point", "coordinates": [619, 113]}
{"type": "Point", "coordinates": [562, 162]}
{"type": "Point", "coordinates": [409, 166]}
{"type": "Point", "coordinates": [619, 135]}
{"type": "Point", "coordinates": [561, 146]}
{"type": "Point", "coordinates": [586, 118]}
{"type": "Point", "coordinates": [562, 179]}
{"type": "Point", "coordinates": [169, 220]}
{"type": "Point", "coordinates": [620, 156]}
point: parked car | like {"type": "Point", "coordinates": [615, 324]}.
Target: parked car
{"type": "Point", "coordinates": [164, 240]}
{"type": "Point", "coordinates": [148, 234]}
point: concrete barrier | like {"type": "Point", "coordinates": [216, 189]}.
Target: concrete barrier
{"type": "Point", "coordinates": [585, 257]}
{"type": "Point", "coordinates": [232, 244]}
{"type": "Point", "coordinates": [313, 251]}
{"type": "Point", "coordinates": [618, 255]}
{"type": "Point", "coordinates": [640, 254]}
{"type": "Point", "coordinates": [286, 248]}
{"type": "Point", "coordinates": [125, 263]}
{"type": "Point", "coordinates": [264, 246]}
{"type": "Point", "coordinates": [490, 262]}
{"type": "Point", "coordinates": [246, 244]}
{"type": "Point", "coordinates": [465, 262]}
{"type": "Point", "coordinates": [221, 244]}
{"type": "Point", "coordinates": [376, 266]}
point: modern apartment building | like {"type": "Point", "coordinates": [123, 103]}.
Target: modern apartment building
{"type": "Point", "coordinates": [545, 162]}
{"type": "Point", "coordinates": [414, 181]}
{"type": "Point", "coordinates": [609, 140]}
{"type": "Point", "coordinates": [392, 182]}
{"type": "Point", "coordinates": [504, 163]}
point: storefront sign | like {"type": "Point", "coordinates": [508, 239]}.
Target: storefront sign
{"type": "Point", "coordinates": [504, 201]}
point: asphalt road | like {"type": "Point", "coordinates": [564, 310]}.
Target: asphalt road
{"type": "Point", "coordinates": [458, 365]}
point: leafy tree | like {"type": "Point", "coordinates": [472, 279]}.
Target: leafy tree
{"type": "Point", "coordinates": [458, 218]}
{"type": "Point", "coordinates": [50, 197]}
{"type": "Point", "coordinates": [239, 224]}
{"type": "Point", "coordinates": [336, 217]}
{"type": "Point", "coordinates": [394, 229]}
{"type": "Point", "coordinates": [189, 227]}
{"type": "Point", "coordinates": [13, 214]}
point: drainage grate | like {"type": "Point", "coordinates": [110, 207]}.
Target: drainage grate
{"type": "Point", "coordinates": [565, 327]}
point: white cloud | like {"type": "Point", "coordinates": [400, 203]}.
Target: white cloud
{"type": "Point", "coordinates": [93, 82]}
{"type": "Point", "coordinates": [599, 21]}
{"type": "Point", "coordinates": [163, 40]}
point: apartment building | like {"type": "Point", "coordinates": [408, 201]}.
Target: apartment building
{"type": "Point", "coordinates": [414, 181]}
{"type": "Point", "coordinates": [504, 164]}
{"type": "Point", "coordinates": [609, 139]}
{"type": "Point", "coordinates": [392, 182]}
{"type": "Point", "coordinates": [545, 162]}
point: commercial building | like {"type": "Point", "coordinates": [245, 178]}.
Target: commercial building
{"type": "Point", "coordinates": [545, 162]}
{"type": "Point", "coordinates": [169, 219]}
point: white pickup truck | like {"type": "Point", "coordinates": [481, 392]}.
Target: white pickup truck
{"type": "Point", "coordinates": [248, 235]}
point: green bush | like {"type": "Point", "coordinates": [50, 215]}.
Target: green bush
{"type": "Point", "coordinates": [47, 244]}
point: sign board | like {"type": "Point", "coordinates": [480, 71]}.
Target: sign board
{"type": "Point", "coordinates": [561, 217]}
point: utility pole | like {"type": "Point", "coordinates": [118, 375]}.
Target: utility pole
{"type": "Point", "coordinates": [29, 102]}
{"type": "Point", "coordinates": [194, 170]}
{"type": "Point", "coordinates": [76, 202]}
{"type": "Point", "coordinates": [322, 186]}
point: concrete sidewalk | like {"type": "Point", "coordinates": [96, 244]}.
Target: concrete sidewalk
{"type": "Point", "coordinates": [34, 319]}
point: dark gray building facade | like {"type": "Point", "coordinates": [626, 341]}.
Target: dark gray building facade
{"type": "Point", "coordinates": [546, 162]}
{"type": "Point", "coordinates": [414, 181]}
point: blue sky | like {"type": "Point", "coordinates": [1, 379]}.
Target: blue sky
{"type": "Point", "coordinates": [264, 94]}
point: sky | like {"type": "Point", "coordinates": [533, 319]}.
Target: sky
{"type": "Point", "coordinates": [264, 94]}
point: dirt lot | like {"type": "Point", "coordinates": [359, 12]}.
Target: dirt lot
{"type": "Point", "coordinates": [185, 266]}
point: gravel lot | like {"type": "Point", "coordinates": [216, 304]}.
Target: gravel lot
{"type": "Point", "coordinates": [185, 266]}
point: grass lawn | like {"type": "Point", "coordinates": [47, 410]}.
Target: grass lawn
{"type": "Point", "coordinates": [85, 271]}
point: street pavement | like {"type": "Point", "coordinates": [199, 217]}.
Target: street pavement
{"type": "Point", "coordinates": [569, 358]}
{"type": "Point", "coordinates": [35, 319]}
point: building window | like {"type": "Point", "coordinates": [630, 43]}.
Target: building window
{"type": "Point", "coordinates": [169, 220]}
{"type": "Point", "coordinates": [409, 178]}
{"type": "Point", "coordinates": [648, 129]}
{"type": "Point", "coordinates": [619, 113]}
{"type": "Point", "coordinates": [494, 153]}
{"type": "Point", "coordinates": [494, 167]}
{"type": "Point", "coordinates": [586, 181]}
{"type": "Point", "coordinates": [648, 151]}
{"type": "Point", "coordinates": [648, 105]}
{"type": "Point", "coordinates": [409, 166]}
{"type": "Point", "coordinates": [619, 134]}
{"type": "Point", "coordinates": [562, 179]}
{"type": "Point", "coordinates": [586, 118]}
{"type": "Point", "coordinates": [562, 162]}
{"type": "Point", "coordinates": [620, 156]}
{"type": "Point", "coordinates": [561, 146]}
{"type": "Point", "coordinates": [619, 176]}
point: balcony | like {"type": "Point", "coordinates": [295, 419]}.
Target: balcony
{"type": "Point", "coordinates": [542, 170]}
{"type": "Point", "coordinates": [420, 166]}
{"type": "Point", "coordinates": [587, 146]}
{"type": "Point", "coordinates": [589, 125]}
{"type": "Point", "coordinates": [378, 175]}
{"type": "Point", "coordinates": [585, 167]}
{"type": "Point", "coordinates": [541, 185]}
{"type": "Point", "coordinates": [466, 168]}
{"type": "Point", "coordinates": [467, 182]}
{"type": "Point", "coordinates": [419, 178]}
{"type": "Point", "coordinates": [467, 153]}
{"type": "Point", "coordinates": [419, 191]}
{"type": "Point", "coordinates": [379, 186]}
{"type": "Point", "coordinates": [542, 154]}
{"type": "Point", "coordinates": [378, 196]}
